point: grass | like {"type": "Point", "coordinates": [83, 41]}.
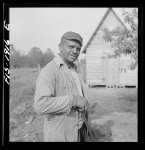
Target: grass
{"type": "Point", "coordinates": [103, 102]}
{"type": "Point", "coordinates": [23, 85]}
{"type": "Point", "coordinates": [22, 91]}
{"type": "Point", "coordinates": [107, 101]}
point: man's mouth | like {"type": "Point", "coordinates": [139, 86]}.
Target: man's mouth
{"type": "Point", "coordinates": [73, 56]}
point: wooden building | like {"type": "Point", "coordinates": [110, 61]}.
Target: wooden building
{"type": "Point", "coordinates": [100, 69]}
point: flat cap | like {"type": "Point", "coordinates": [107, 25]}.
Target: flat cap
{"type": "Point", "coordinates": [73, 36]}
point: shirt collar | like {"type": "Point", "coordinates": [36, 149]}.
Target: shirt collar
{"type": "Point", "coordinates": [58, 60]}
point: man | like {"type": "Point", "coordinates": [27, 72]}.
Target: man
{"type": "Point", "coordinates": [60, 93]}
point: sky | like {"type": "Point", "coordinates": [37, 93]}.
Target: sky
{"type": "Point", "coordinates": [44, 27]}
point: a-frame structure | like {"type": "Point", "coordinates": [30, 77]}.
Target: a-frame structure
{"type": "Point", "coordinates": [101, 70]}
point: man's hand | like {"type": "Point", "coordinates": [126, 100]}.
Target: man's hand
{"type": "Point", "coordinates": [80, 102]}
{"type": "Point", "coordinates": [80, 120]}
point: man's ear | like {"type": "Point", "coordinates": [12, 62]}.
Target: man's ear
{"type": "Point", "coordinates": [60, 47]}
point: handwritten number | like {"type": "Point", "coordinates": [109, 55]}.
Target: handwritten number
{"type": "Point", "coordinates": [6, 57]}
{"type": "Point", "coordinates": [6, 69]}
{"type": "Point", "coordinates": [7, 53]}
{"type": "Point", "coordinates": [6, 26]}
{"type": "Point", "coordinates": [6, 79]}
{"type": "Point", "coordinates": [7, 42]}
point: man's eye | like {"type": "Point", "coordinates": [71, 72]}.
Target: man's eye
{"type": "Point", "coordinates": [71, 47]}
{"type": "Point", "coordinates": [78, 49]}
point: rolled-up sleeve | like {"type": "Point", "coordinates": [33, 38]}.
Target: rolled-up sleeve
{"type": "Point", "coordinates": [45, 100]}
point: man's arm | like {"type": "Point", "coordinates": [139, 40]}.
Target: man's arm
{"type": "Point", "coordinates": [45, 100]}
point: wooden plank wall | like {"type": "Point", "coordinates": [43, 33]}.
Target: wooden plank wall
{"type": "Point", "coordinates": [101, 70]}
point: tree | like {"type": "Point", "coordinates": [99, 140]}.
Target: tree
{"type": "Point", "coordinates": [27, 63]}
{"type": "Point", "coordinates": [34, 58]}
{"type": "Point", "coordinates": [48, 55]}
{"type": "Point", "coordinates": [12, 50]}
{"type": "Point", "coordinates": [125, 41]}
{"type": "Point", "coordinates": [15, 58]}
{"type": "Point", "coordinates": [35, 55]}
{"type": "Point", "coordinates": [38, 57]}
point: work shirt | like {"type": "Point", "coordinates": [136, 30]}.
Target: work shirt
{"type": "Point", "coordinates": [77, 80]}
{"type": "Point", "coordinates": [53, 98]}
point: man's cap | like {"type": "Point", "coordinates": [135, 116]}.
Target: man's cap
{"type": "Point", "coordinates": [73, 36]}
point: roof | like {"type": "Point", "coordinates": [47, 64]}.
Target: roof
{"type": "Point", "coordinates": [98, 27]}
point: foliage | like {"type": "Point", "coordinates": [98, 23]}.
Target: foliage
{"type": "Point", "coordinates": [34, 58]}
{"type": "Point", "coordinates": [125, 41]}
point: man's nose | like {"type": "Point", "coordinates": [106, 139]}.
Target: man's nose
{"type": "Point", "coordinates": [74, 50]}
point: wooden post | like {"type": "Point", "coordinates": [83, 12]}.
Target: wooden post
{"type": "Point", "coordinates": [39, 68]}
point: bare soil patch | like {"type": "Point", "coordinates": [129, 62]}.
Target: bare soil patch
{"type": "Point", "coordinates": [119, 105]}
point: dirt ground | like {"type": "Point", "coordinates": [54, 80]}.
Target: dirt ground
{"type": "Point", "coordinates": [119, 105]}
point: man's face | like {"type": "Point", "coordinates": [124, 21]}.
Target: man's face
{"type": "Point", "coordinates": [70, 50]}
